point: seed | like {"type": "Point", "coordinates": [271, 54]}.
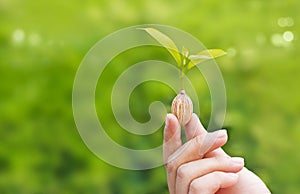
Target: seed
{"type": "Point", "coordinates": [182, 107]}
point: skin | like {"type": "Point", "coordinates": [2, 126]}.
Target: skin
{"type": "Point", "coordinates": [201, 166]}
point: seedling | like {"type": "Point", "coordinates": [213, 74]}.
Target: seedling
{"type": "Point", "coordinates": [182, 106]}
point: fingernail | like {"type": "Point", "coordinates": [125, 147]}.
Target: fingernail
{"type": "Point", "coordinates": [238, 160]}
{"type": "Point", "coordinates": [232, 175]}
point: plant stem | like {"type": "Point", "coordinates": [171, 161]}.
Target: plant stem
{"type": "Point", "coordinates": [182, 80]}
{"type": "Point", "coordinates": [181, 73]}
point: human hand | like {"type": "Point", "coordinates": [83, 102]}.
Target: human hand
{"type": "Point", "coordinates": [200, 165]}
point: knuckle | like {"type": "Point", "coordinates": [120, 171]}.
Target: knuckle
{"type": "Point", "coordinates": [219, 160]}
{"type": "Point", "coordinates": [217, 176]}
{"type": "Point", "coordinates": [222, 161]}
{"type": "Point", "coordinates": [198, 140]}
{"type": "Point", "coordinates": [170, 166]}
{"type": "Point", "coordinates": [195, 187]}
{"type": "Point", "coordinates": [182, 172]}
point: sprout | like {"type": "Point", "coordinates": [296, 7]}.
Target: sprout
{"type": "Point", "coordinates": [184, 60]}
{"type": "Point", "coordinates": [182, 106]}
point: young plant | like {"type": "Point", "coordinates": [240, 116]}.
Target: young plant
{"type": "Point", "coordinates": [182, 106]}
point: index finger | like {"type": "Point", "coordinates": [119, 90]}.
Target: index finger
{"type": "Point", "coordinates": [194, 128]}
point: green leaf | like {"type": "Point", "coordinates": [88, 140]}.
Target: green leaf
{"type": "Point", "coordinates": [204, 56]}
{"type": "Point", "coordinates": [166, 42]}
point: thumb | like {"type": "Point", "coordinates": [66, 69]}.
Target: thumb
{"type": "Point", "coordinates": [172, 136]}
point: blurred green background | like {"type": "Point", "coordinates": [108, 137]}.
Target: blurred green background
{"type": "Point", "coordinates": [43, 42]}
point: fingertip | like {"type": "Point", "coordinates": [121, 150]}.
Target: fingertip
{"type": "Point", "coordinates": [168, 118]}
{"type": "Point", "coordinates": [222, 137]}
{"type": "Point", "coordinates": [213, 140]}
{"type": "Point", "coordinates": [171, 121]}
{"type": "Point", "coordinates": [167, 121]}
{"type": "Point", "coordinates": [222, 134]}
{"type": "Point", "coordinates": [195, 115]}
{"type": "Point", "coordinates": [238, 160]}
{"type": "Point", "coordinates": [171, 126]}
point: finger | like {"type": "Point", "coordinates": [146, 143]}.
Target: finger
{"type": "Point", "coordinates": [172, 136]}
{"type": "Point", "coordinates": [193, 150]}
{"type": "Point", "coordinates": [211, 183]}
{"type": "Point", "coordinates": [172, 141]}
{"type": "Point", "coordinates": [186, 173]}
{"type": "Point", "coordinates": [216, 153]}
{"type": "Point", "coordinates": [198, 147]}
{"type": "Point", "coordinates": [194, 128]}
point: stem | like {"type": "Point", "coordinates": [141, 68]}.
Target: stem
{"type": "Point", "coordinates": [181, 73]}
{"type": "Point", "coordinates": [182, 80]}
{"type": "Point", "coordinates": [183, 69]}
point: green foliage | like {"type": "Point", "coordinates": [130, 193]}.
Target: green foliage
{"type": "Point", "coordinates": [43, 42]}
{"type": "Point", "coordinates": [166, 42]}
{"type": "Point", "coordinates": [204, 56]}
{"type": "Point", "coordinates": [187, 61]}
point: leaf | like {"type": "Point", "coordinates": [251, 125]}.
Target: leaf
{"type": "Point", "coordinates": [204, 56]}
{"type": "Point", "coordinates": [166, 42]}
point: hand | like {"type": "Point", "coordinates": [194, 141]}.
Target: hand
{"type": "Point", "coordinates": [201, 166]}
